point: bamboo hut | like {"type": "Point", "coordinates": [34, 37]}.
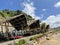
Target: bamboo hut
{"type": "Point", "coordinates": [34, 25]}
{"type": "Point", "coordinates": [18, 22]}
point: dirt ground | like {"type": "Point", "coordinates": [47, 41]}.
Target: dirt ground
{"type": "Point", "coordinates": [54, 40]}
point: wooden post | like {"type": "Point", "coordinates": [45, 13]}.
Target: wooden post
{"type": "Point", "coordinates": [6, 26]}
{"type": "Point", "coordinates": [1, 28]}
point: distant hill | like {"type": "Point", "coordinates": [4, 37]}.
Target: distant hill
{"type": "Point", "coordinates": [57, 28]}
{"type": "Point", "coordinates": [10, 13]}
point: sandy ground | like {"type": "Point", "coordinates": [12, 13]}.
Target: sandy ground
{"type": "Point", "coordinates": [54, 40]}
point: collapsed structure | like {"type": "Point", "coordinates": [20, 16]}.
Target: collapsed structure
{"type": "Point", "coordinates": [34, 25]}
{"type": "Point", "coordinates": [20, 22]}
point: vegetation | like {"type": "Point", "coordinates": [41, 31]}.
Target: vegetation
{"type": "Point", "coordinates": [35, 37]}
{"type": "Point", "coordinates": [10, 13]}
{"type": "Point", "coordinates": [22, 41]}
{"type": "Point", "coordinates": [44, 27]}
{"type": "Point", "coordinates": [57, 30]}
{"type": "Point", "coordinates": [16, 43]}
{"type": "Point", "coordinates": [47, 27]}
{"type": "Point", "coordinates": [32, 38]}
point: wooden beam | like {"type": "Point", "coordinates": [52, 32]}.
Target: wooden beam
{"type": "Point", "coordinates": [1, 28]}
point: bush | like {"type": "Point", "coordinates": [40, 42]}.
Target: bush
{"type": "Point", "coordinates": [22, 41]}
{"type": "Point", "coordinates": [35, 37]}
{"type": "Point", "coordinates": [32, 38]}
{"type": "Point", "coordinates": [16, 43]}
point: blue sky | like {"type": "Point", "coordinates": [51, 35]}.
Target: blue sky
{"type": "Point", "coordinates": [46, 10]}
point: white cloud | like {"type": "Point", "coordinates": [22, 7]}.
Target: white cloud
{"type": "Point", "coordinates": [53, 20]}
{"type": "Point", "coordinates": [30, 9]}
{"type": "Point", "coordinates": [57, 5]}
{"type": "Point", "coordinates": [43, 9]}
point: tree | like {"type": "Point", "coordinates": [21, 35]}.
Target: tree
{"type": "Point", "coordinates": [18, 12]}
{"type": "Point", "coordinates": [47, 27]}
{"type": "Point", "coordinates": [44, 27]}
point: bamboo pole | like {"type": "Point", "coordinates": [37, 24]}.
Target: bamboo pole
{"type": "Point", "coordinates": [1, 28]}
{"type": "Point", "coordinates": [6, 30]}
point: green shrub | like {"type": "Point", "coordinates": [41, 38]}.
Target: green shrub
{"type": "Point", "coordinates": [16, 43]}
{"type": "Point", "coordinates": [35, 37]}
{"type": "Point", "coordinates": [22, 41]}
{"type": "Point", "coordinates": [32, 38]}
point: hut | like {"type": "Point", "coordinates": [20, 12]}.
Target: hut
{"type": "Point", "coordinates": [34, 25]}
{"type": "Point", "coordinates": [18, 22]}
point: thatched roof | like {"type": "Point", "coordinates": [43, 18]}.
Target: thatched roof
{"type": "Point", "coordinates": [30, 22]}
{"type": "Point", "coordinates": [18, 22]}
{"type": "Point", "coordinates": [10, 18]}
{"type": "Point", "coordinates": [34, 24]}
